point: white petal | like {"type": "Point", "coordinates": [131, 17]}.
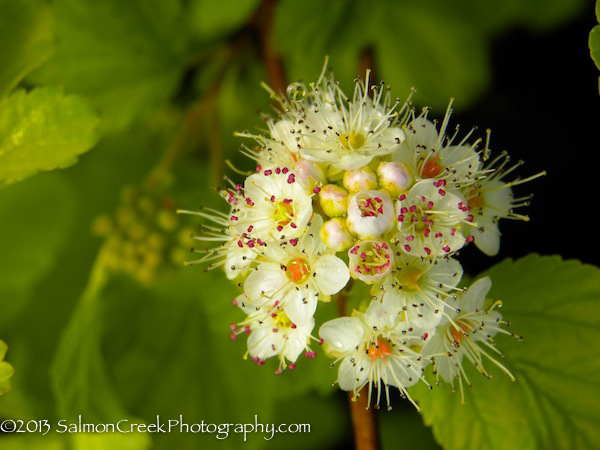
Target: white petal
{"type": "Point", "coordinates": [343, 334]}
{"type": "Point", "coordinates": [261, 342]}
{"type": "Point", "coordinates": [264, 282]}
{"type": "Point", "coordinates": [383, 312]}
{"type": "Point", "coordinates": [475, 296]}
{"type": "Point", "coordinates": [300, 305]}
{"type": "Point", "coordinates": [350, 377]}
{"type": "Point", "coordinates": [297, 340]}
{"type": "Point", "coordinates": [331, 274]}
{"type": "Point", "coordinates": [488, 240]}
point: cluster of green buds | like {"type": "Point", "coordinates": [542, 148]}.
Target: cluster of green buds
{"type": "Point", "coordinates": [144, 236]}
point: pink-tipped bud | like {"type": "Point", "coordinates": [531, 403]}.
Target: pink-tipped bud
{"type": "Point", "coordinates": [363, 179]}
{"type": "Point", "coordinates": [334, 200]}
{"type": "Point", "coordinates": [335, 235]}
{"type": "Point", "coordinates": [309, 174]}
{"type": "Point", "coordinates": [395, 177]}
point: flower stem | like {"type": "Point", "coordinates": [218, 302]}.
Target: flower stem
{"type": "Point", "coordinates": [366, 435]}
{"type": "Point", "coordinates": [271, 59]}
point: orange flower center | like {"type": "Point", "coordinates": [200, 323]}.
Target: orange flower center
{"type": "Point", "coordinates": [379, 350]}
{"type": "Point", "coordinates": [431, 168]}
{"type": "Point", "coordinates": [297, 270]}
{"type": "Point", "coordinates": [458, 335]}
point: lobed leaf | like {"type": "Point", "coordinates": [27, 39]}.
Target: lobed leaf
{"type": "Point", "coordinates": [552, 404]}
{"type": "Point", "coordinates": [127, 57]}
{"type": "Point", "coordinates": [42, 130]}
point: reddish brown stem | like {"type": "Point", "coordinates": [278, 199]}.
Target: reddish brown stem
{"type": "Point", "coordinates": [366, 436]}
{"type": "Point", "coordinates": [366, 61]}
{"type": "Point", "coordinates": [272, 61]}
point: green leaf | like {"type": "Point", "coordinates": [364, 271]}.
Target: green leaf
{"type": "Point", "coordinates": [30, 244]}
{"type": "Point", "coordinates": [495, 16]}
{"type": "Point", "coordinates": [34, 441]}
{"type": "Point", "coordinates": [211, 19]}
{"type": "Point", "coordinates": [435, 53]}
{"type": "Point", "coordinates": [594, 41]}
{"type": "Point", "coordinates": [553, 402]}
{"type": "Point", "coordinates": [240, 100]}
{"type": "Point", "coordinates": [414, 45]}
{"type": "Point", "coordinates": [42, 130]}
{"type": "Point", "coordinates": [6, 370]}
{"type": "Point", "coordinates": [26, 36]}
{"type": "Point", "coordinates": [109, 441]}
{"type": "Point", "coordinates": [79, 376]}
{"type": "Point", "coordinates": [127, 57]}
{"type": "Point", "coordinates": [170, 355]}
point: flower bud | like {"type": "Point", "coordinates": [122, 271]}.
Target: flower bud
{"type": "Point", "coordinates": [309, 174]}
{"type": "Point", "coordinates": [335, 235]}
{"type": "Point", "coordinates": [395, 177]}
{"type": "Point", "coordinates": [370, 261]}
{"type": "Point", "coordinates": [370, 214]}
{"type": "Point", "coordinates": [334, 200]}
{"type": "Point", "coordinates": [362, 179]}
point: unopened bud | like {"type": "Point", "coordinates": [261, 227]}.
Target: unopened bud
{"type": "Point", "coordinates": [363, 179]}
{"type": "Point", "coordinates": [335, 235]}
{"type": "Point", "coordinates": [334, 200]}
{"type": "Point", "coordinates": [309, 174]}
{"type": "Point", "coordinates": [395, 177]}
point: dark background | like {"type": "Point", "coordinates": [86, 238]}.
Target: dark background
{"type": "Point", "coordinates": [543, 107]}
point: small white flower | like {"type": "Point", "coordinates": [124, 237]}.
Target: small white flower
{"type": "Point", "coordinates": [421, 289]}
{"type": "Point", "coordinates": [491, 199]}
{"type": "Point", "coordinates": [286, 133]}
{"type": "Point", "coordinates": [296, 274]}
{"type": "Point", "coordinates": [269, 154]}
{"type": "Point", "coordinates": [431, 219]}
{"type": "Point", "coordinates": [236, 252]}
{"type": "Point", "coordinates": [377, 350]}
{"type": "Point", "coordinates": [273, 206]}
{"type": "Point", "coordinates": [346, 133]}
{"type": "Point", "coordinates": [433, 154]}
{"type": "Point", "coordinates": [272, 333]}
{"type": "Point", "coordinates": [467, 333]}
{"type": "Point", "coordinates": [370, 261]}
{"type": "Point", "coordinates": [370, 214]}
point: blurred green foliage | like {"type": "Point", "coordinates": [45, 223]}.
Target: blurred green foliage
{"type": "Point", "coordinates": [155, 90]}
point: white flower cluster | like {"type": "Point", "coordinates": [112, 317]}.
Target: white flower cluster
{"type": "Point", "coordinates": [363, 188]}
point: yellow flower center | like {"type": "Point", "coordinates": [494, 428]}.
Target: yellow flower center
{"type": "Point", "coordinates": [284, 212]}
{"type": "Point", "coordinates": [409, 278]}
{"type": "Point", "coordinates": [353, 140]}
{"type": "Point", "coordinates": [282, 321]}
